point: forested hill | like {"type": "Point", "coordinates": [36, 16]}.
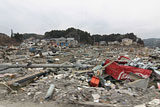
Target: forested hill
{"type": "Point", "coordinates": [79, 35]}
{"type": "Point", "coordinates": [85, 37]}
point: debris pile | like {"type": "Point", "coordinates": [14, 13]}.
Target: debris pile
{"type": "Point", "coordinates": [99, 76]}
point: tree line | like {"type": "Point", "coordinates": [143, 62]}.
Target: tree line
{"type": "Point", "coordinates": [79, 35]}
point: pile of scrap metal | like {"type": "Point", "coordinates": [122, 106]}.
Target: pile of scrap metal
{"type": "Point", "coordinates": [138, 73]}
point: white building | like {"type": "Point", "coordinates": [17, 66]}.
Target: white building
{"type": "Point", "coordinates": [102, 43]}
{"type": "Point", "coordinates": [127, 41]}
{"type": "Point", "coordinates": [113, 43]}
{"type": "Point", "coordinates": [65, 41]}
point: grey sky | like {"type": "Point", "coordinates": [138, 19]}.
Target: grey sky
{"type": "Point", "coordinates": [141, 17]}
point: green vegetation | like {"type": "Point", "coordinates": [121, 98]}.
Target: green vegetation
{"type": "Point", "coordinates": [85, 37]}
{"type": "Point", "coordinates": [81, 36]}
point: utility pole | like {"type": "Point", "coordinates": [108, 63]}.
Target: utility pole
{"type": "Point", "coordinates": [94, 40]}
{"type": "Point", "coordinates": [12, 34]}
{"type": "Point", "coordinates": [79, 38]}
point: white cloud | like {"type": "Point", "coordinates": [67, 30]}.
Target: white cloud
{"type": "Point", "coordinates": [95, 16]}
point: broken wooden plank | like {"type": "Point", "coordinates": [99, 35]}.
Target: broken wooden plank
{"type": "Point", "coordinates": [85, 71]}
{"type": "Point", "coordinates": [81, 71]}
{"type": "Point", "coordinates": [93, 104]}
{"type": "Point", "coordinates": [1, 69]}
{"type": "Point", "coordinates": [11, 70]}
{"type": "Point", "coordinates": [26, 79]}
{"type": "Point", "coordinates": [36, 66]}
{"type": "Point", "coordinates": [107, 64]}
{"type": "Point", "coordinates": [39, 66]}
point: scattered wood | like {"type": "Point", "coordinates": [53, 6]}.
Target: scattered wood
{"type": "Point", "coordinates": [11, 70]}
{"type": "Point", "coordinates": [22, 81]}
{"type": "Point", "coordinates": [36, 66]}
{"type": "Point", "coordinates": [81, 71]}
{"type": "Point", "coordinates": [93, 104]}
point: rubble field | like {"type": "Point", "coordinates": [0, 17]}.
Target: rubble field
{"type": "Point", "coordinates": [100, 76]}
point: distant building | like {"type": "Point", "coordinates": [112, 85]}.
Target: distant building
{"type": "Point", "coordinates": [72, 42]}
{"type": "Point", "coordinates": [113, 43]}
{"type": "Point", "coordinates": [64, 41]}
{"type": "Point", "coordinates": [53, 41]}
{"type": "Point", "coordinates": [41, 42]}
{"type": "Point", "coordinates": [127, 41]}
{"type": "Point", "coordinates": [102, 43]}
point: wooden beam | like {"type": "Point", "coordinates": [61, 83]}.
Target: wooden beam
{"type": "Point", "coordinates": [36, 66]}
{"type": "Point", "coordinates": [93, 104]}
{"type": "Point", "coordinates": [39, 66]}
{"type": "Point", "coordinates": [22, 81]}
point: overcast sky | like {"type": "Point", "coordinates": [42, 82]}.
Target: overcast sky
{"type": "Point", "coordinates": [141, 17]}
